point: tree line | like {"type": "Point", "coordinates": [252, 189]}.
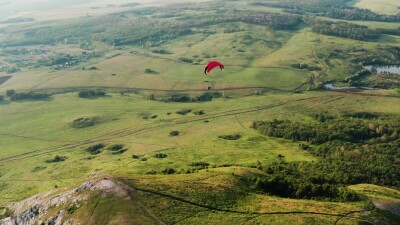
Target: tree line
{"type": "Point", "coordinates": [329, 8]}
{"type": "Point", "coordinates": [127, 29]}
{"type": "Point", "coordinates": [341, 29]}
{"type": "Point", "coordinates": [13, 95]}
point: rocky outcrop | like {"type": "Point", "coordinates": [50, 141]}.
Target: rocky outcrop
{"type": "Point", "coordinates": [34, 210]}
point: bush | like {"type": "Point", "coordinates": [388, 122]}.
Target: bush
{"type": "Point", "coordinates": [174, 133]}
{"type": "Point", "coordinates": [119, 151]}
{"type": "Point", "coordinates": [1, 98]}
{"type": "Point", "coordinates": [135, 156]}
{"type": "Point", "coordinates": [6, 213]}
{"type": "Point", "coordinates": [205, 97]}
{"type": "Point", "coordinates": [38, 168]}
{"type": "Point", "coordinates": [200, 165]}
{"type": "Point", "coordinates": [95, 149]}
{"type": "Point", "coordinates": [148, 70]}
{"type": "Point", "coordinates": [57, 158]}
{"type": "Point", "coordinates": [168, 171]}
{"type": "Point", "coordinates": [16, 96]}
{"type": "Point", "coordinates": [83, 122]}
{"type": "Point", "coordinates": [231, 137]}
{"type": "Point", "coordinates": [180, 98]}
{"type": "Point", "coordinates": [186, 60]}
{"type": "Point", "coordinates": [183, 111]}
{"type": "Point", "coordinates": [161, 51]}
{"type": "Point", "coordinates": [115, 147]}
{"type": "Point", "coordinates": [199, 113]}
{"type": "Point", "coordinates": [10, 92]}
{"type": "Point", "coordinates": [151, 172]}
{"type": "Point", "coordinates": [72, 208]}
{"type": "Point", "coordinates": [91, 94]}
{"type": "Point", "coordinates": [160, 155]}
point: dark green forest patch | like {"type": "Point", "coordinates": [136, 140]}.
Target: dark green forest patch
{"type": "Point", "coordinates": [357, 148]}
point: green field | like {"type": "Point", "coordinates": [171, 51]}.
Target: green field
{"type": "Point", "coordinates": [197, 161]}
{"type": "Point", "coordinates": [384, 6]}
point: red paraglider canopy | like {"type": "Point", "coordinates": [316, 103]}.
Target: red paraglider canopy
{"type": "Point", "coordinates": [211, 65]}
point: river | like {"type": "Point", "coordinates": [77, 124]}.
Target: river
{"type": "Point", "coordinates": [395, 69]}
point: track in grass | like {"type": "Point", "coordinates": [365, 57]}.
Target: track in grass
{"type": "Point", "coordinates": [148, 128]}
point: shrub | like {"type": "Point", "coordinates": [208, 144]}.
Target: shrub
{"type": "Point", "coordinates": [205, 97]}
{"type": "Point", "coordinates": [200, 165]}
{"type": "Point", "coordinates": [115, 147]}
{"type": "Point", "coordinates": [186, 60]}
{"type": "Point", "coordinates": [91, 94]}
{"type": "Point", "coordinates": [161, 51]}
{"type": "Point", "coordinates": [160, 155]}
{"type": "Point", "coordinates": [10, 92]}
{"type": "Point", "coordinates": [71, 209]}
{"type": "Point", "coordinates": [180, 98]}
{"type": "Point", "coordinates": [168, 171]}
{"type": "Point", "coordinates": [57, 158]}
{"type": "Point", "coordinates": [28, 95]}
{"type": "Point", "coordinates": [135, 156]}
{"type": "Point", "coordinates": [119, 151]}
{"type": "Point", "coordinates": [231, 137]}
{"type": "Point", "coordinates": [83, 122]}
{"type": "Point", "coordinates": [151, 172]}
{"type": "Point", "coordinates": [95, 149]}
{"type": "Point", "coordinates": [200, 112]}
{"type": "Point", "coordinates": [93, 68]}
{"type": "Point", "coordinates": [38, 168]}
{"type": "Point", "coordinates": [174, 133]}
{"type": "Point", "coordinates": [183, 111]}
{"type": "Point", "coordinates": [148, 70]}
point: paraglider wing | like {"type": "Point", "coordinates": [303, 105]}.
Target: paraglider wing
{"type": "Point", "coordinates": [211, 65]}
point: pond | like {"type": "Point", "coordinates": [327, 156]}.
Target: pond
{"type": "Point", "coordinates": [331, 86]}
{"type": "Point", "coordinates": [385, 68]}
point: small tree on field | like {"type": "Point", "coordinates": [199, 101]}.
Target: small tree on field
{"type": "Point", "coordinates": [10, 92]}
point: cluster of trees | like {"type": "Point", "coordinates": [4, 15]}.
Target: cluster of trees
{"type": "Point", "coordinates": [17, 96]}
{"type": "Point", "coordinates": [91, 94]}
{"type": "Point", "coordinates": [301, 180]}
{"type": "Point", "coordinates": [355, 148]}
{"type": "Point", "coordinates": [125, 29]}
{"type": "Point", "coordinates": [306, 66]}
{"type": "Point", "coordinates": [117, 149]}
{"type": "Point", "coordinates": [330, 8]}
{"type": "Point", "coordinates": [353, 79]}
{"type": "Point", "coordinates": [344, 129]}
{"type": "Point", "coordinates": [95, 149]}
{"type": "Point", "coordinates": [342, 29]}
{"type": "Point", "coordinates": [272, 20]}
{"type": "Point", "coordinates": [352, 13]}
{"type": "Point", "coordinates": [208, 96]}
{"type": "Point", "coordinates": [389, 31]}
{"type": "Point", "coordinates": [382, 56]}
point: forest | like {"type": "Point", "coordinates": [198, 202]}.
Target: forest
{"type": "Point", "coordinates": [330, 8]}
{"type": "Point", "coordinates": [125, 29]}
{"type": "Point", "coordinates": [353, 148]}
{"type": "Point", "coordinates": [342, 29]}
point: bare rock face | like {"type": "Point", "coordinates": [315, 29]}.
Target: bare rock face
{"type": "Point", "coordinates": [33, 210]}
